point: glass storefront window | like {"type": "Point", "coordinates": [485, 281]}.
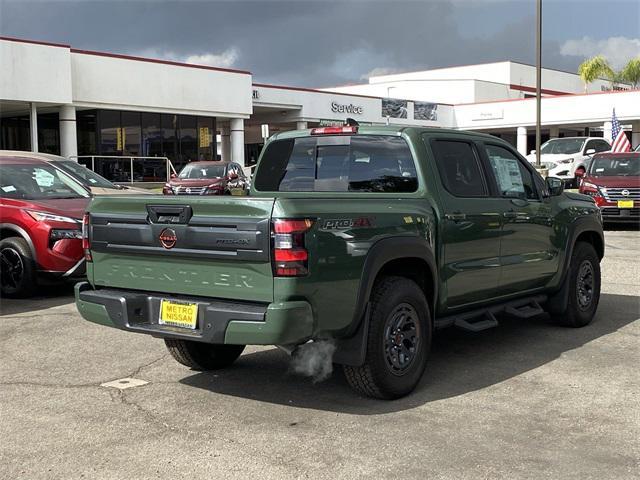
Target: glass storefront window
{"type": "Point", "coordinates": [188, 139]}
{"type": "Point", "coordinates": [15, 133]}
{"type": "Point", "coordinates": [206, 138]}
{"type": "Point", "coordinates": [170, 136]}
{"type": "Point", "coordinates": [110, 132]}
{"type": "Point", "coordinates": [151, 135]}
{"type": "Point", "coordinates": [87, 132]}
{"type": "Point", "coordinates": [49, 133]}
{"type": "Point", "coordinates": [131, 133]}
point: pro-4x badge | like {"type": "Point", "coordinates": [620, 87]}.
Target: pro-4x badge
{"type": "Point", "coordinates": [168, 238]}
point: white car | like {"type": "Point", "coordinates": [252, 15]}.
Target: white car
{"type": "Point", "coordinates": [568, 158]}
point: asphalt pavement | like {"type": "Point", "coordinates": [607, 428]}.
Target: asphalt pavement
{"type": "Point", "coordinates": [525, 400]}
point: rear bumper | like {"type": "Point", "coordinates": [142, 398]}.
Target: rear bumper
{"type": "Point", "coordinates": [219, 321]}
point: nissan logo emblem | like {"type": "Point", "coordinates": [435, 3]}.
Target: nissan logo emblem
{"type": "Point", "coordinates": [625, 193]}
{"type": "Point", "coordinates": [168, 238]}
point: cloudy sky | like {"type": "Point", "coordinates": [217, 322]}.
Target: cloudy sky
{"type": "Point", "coordinates": [328, 42]}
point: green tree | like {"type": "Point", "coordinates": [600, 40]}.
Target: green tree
{"type": "Point", "coordinates": [631, 72]}
{"type": "Point", "coordinates": [594, 68]}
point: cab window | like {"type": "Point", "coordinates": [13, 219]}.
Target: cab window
{"type": "Point", "coordinates": [459, 168]}
{"type": "Point", "coordinates": [513, 179]}
{"type": "Point", "coordinates": [360, 163]}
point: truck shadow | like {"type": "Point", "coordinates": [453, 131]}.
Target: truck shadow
{"type": "Point", "coordinates": [47, 296]}
{"type": "Point", "coordinates": [460, 363]}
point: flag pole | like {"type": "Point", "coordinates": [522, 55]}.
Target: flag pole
{"type": "Point", "coordinates": [538, 76]}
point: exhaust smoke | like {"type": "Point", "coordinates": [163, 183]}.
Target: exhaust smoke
{"type": "Point", "coordinates": [314, 359]}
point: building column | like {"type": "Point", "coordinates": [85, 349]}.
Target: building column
{"type": "Point", "coordinates": [33, 126]}
{"type": "Point", "coordinates": [225, 144]}
{"type": "Point", "coordinates": [635, 133]}
{"type": "Point", "coordinates": [554, 131]}
{"type": "Point", "coordinates": [68, 134]}
{"type": "Point", "coordinates": [237, 140]}
{"type": "Point", "coordinates": [607, 131]}
{"type": "Point", "coordinates": [302, 125]}
{"type": "Point", "coordinates": [521, 141]}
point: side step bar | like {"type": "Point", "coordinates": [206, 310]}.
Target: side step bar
{"type": "Point", "coordinates": [484, 318]}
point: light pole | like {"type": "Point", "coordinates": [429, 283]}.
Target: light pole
{"type": "Point", "coordinates": [538, 77]}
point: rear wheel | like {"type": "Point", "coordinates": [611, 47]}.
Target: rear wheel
{"type": "Point", "coordinates": [584, 287]}
{"type": "Point", "coordinates": [398, 343]}
{"type": "Point", "coordinates": [203, 356]}
{"type": "Point", "coordinates": [17, 268]}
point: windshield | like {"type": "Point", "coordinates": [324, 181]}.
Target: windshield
{"type": "Point", "coordinates": [561, 146]}
{"type": "Point", "coordinates": [38, 182]}
{"type": "Point", "coordinates": [202, 171]}
{"type": "Point", "coordinates": [616, 167]}
{"type": "Point", "coordinates": [84, 175]}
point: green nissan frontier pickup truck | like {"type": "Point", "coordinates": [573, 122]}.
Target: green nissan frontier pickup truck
{"type": "Point", "coordinates": [368, 237]}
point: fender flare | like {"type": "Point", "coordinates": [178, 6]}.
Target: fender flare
{"type": "Point", "coordinates": [351, 349]}
{"type": "Point", "coordinates": [22, 233]}
{"type": "Point", "coordinates": [557, 303]}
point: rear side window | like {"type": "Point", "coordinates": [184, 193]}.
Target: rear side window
{"type": "Point", "coordinates": [459, 168]}
{"type": "Point", "coordinates": [363, 163]}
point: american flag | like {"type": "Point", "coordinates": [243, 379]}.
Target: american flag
{"type": "Point", "coordinates": [620, 141]}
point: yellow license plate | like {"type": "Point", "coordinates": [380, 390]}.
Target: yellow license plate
{"type": "Point", "coordinates": [176, 314]}
{"type": "Point", "coordinates": [625, 203]}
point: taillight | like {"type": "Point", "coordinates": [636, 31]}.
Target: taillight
{"type": "Point", "coordinates": [86, 242]}
{"type": "Point", "coordinates": [290, 257]}
{"type": "Point", "coordinates": [348, 130]}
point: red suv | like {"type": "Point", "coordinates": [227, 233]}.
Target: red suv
{"type": "Point", "coordinates": [613, 180]}
{"type": "Point", "coordinates": [208, 178]}
{"type": "Point", "coordinates": [41, 210]}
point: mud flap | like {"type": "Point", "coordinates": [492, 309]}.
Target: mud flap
{"type": "Point", "coordinates": [353, 350]}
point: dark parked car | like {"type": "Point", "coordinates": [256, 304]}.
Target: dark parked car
{"type": "Point", "coordinates": [613, 180]}
{"type": "Point", "coordinates": [96, 184]}
{"type": "Point", "coordinates": [208, 178]}
{"type": "Point", "coordinates": [41, 225]}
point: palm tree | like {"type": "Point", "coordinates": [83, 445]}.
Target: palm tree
{"type": "Point", "coordinates": [594, 68]}
{"type": "Point", "coordinates": [631, 72]}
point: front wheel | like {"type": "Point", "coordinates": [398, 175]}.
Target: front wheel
{"type": "Point", "coordinates": [584, 287]}
{"type": "Point", "coordinates": [17, 268]}
{"type": "Point", "coordinates": [203, 356]}
{"type": "Point", "coordinates": [398, 343]}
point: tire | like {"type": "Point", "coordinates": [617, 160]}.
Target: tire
{"type": "Point", "coordinates": [583, 287]}
{"type": "Point", "coordinates": [385, 373]}
{"type": "Point", "coordinates": [17, 268]}
{"type": "Point", "coordinates": [203, 356]}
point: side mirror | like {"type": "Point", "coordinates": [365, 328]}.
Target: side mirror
{"type": "Point", "coordinates": [532, 152]}
{"type": "Point", "coordinates": [173, 175]}
{"type": "Point", "coordinates": [580, 173]}
{"type": "Point", "coordinates": [555, 186]}
{"type": "Point", "coordinates": [591, 151]}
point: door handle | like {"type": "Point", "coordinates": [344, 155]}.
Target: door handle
{"type": "Point", "coordinates": [510, 214]}
{"type": "Point", "coordinates": [455, 217]}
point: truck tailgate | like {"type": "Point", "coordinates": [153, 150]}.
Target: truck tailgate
{"type": "Point", "coordinates": [212, 247]}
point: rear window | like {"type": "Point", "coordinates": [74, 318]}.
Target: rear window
{"type": "Point", "coordinates": [364, 163]}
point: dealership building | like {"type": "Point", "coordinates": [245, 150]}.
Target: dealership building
{"type": "Point", "coordinates": [108, 107]}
